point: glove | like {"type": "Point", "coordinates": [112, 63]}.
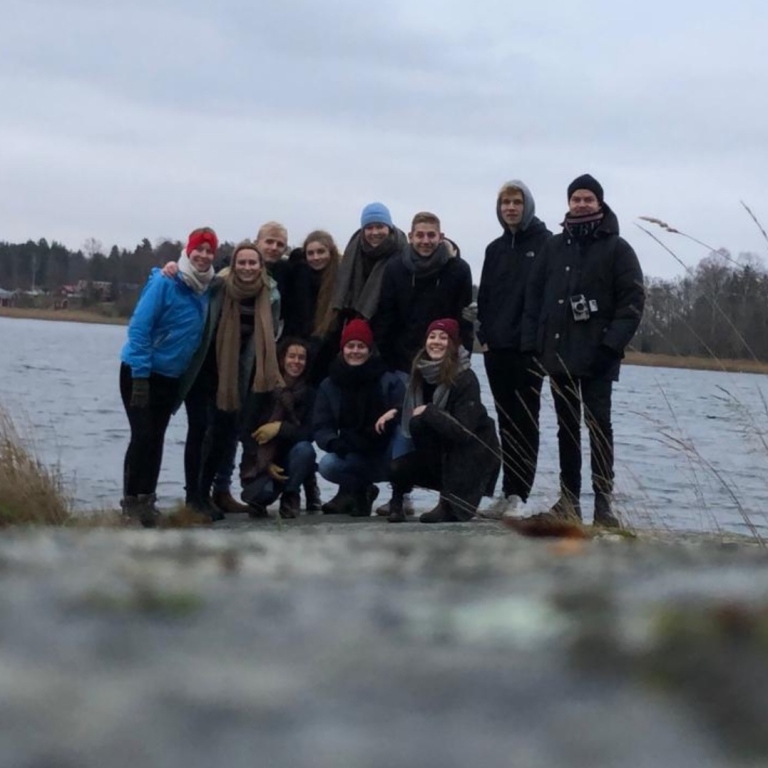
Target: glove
{"type": "Point", "coordinates": [277, 473]}
{"type": "Point", "coordinates": [605, 359]}
{"type": "Point", "coordinates": [267, 432]}
{"type": "Point", "coordinates": [469, 313]}
{"type": "Point", "coordinates": [139, 393]}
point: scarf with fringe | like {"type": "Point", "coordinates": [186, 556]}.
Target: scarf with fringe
{"type": "Point", "coordinates": [267, 371]}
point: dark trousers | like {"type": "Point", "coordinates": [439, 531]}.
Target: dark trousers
{"type": "Point", "coordinates": [221, 449]}
{"type": "Point", "coordinates": [200, 405]}
{"type": "Point", "coordinates": [144, 456]}
{"type": "Point", "coordinates": [516, 389]}
{"type": "Point", "coordinates": [595, 394]}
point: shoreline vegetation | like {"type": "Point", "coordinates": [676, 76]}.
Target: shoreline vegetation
{"type": "Point", "coordinates": [632, 358]}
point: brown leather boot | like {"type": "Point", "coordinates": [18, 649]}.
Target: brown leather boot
{"type": "Point", "coordinates": [227, 504]}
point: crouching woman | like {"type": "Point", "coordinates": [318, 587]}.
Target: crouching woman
{"type": "Point", "coordinates": [278, 456]}
{"type": "Point", "coordinates": [455, 448]}
{"type": "Point", "coordinates": [358, 389]}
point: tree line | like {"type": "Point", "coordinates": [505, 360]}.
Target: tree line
{"type": "Point", "coordinates": [719, 308]}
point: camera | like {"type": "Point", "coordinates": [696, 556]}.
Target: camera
{"type": "Point", "coordinates": [579, 307]}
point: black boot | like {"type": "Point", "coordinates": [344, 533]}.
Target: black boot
{"type": "Point", "coordinates": [604, 514]}
{"type": "Point", "coordinates": [438, 514]}
{"type": "Point", "coordinates": [363, 501]}
{"type": "Point", "coordinates": [396, 510]}
{"type": "Point", "coordinates": [202, 504]}
{"type": "Point", "coordinates": [567, 507]}
{"type": "Point", "coordinates": [312, 494]}
{"type": "Point", "coordinates": [142, 509]}
{"type": "Point", "coordinates": [290, 504]}
{"type": "Point", "coordinates": [340, 504]}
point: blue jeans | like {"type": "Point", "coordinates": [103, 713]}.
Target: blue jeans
{"type": "Point", "coordinates": [356, 471]}
{"type": "Point", "coordinates": [298, 463]}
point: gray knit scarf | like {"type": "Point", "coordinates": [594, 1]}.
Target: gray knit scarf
{"type": "Point", "coordinates": [421, 266]}
{"type": "Point", "coordinates": [429, 371]}
{"type": "Point", "coordinates": [353, 290]}
{"type": "Point", "coordinates": [196, 280]}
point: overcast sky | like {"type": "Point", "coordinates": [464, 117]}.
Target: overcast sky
{"type": "Point", "coordinates": [157, 117]}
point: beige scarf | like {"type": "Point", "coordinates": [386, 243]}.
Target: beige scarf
{"type": "Point", "coordinates": [267, 372]}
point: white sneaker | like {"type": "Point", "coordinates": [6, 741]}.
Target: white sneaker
{"type": "Point", "coordinates": [501, 506]}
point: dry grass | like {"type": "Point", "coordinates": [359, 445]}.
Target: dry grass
{"type": "Point", "coordinates": [68, 315]}
{"type": "Point", "coordinates": [695, 363]}
{"type": "Point", "coordinates": [30, 492]}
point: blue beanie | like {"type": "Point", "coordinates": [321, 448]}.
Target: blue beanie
{"type": "Point", "coordinates": [376, 213]}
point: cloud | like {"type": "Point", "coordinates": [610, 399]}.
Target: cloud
{"type": "Point", "coordinates": [150, 120]}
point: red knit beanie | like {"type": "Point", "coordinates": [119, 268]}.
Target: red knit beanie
{"type": "Point", "coordinates": [447, 325]}
{"type": "Point", "coordinates": [357, 330]}
{"type": "Point", "coordinates": [200, 236]}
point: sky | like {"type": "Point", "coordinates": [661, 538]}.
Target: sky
{"type": "Point", "coordinates": [149, 119]}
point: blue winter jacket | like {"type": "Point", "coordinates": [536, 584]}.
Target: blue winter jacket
{"type": "Point", "coordinates": [165, 328]}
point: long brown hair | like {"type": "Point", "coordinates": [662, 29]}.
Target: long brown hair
{"type": "Point", "coordinates": [324, 313]}
{"type": "Point", "coordinates": [449, 365]}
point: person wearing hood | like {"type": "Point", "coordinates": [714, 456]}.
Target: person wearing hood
{"type": "Point", "coordinates": [427, 282]}
{"type": "Point", "coordinates": [514, 379]}
{"type": "Point", "coordinates": [583, 305]}
{"type": "Point", "coordinates": [456, 451]}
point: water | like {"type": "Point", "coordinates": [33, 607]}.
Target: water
{"type": "Point", "coordinates": [691, 446]}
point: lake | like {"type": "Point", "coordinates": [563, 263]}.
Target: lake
{"type": "Point", "coordinates": [691, 446]}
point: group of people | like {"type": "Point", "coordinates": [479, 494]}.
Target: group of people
{"type": "Point", "coordinates": [367, 355]}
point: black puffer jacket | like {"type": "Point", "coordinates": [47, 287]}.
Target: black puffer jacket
{"type": "Point", "coordinates": [506, 268]}
{"type": "Point", "coordinates": [409, 303]}
{"type": "Point", "coordinates": [606, 271]}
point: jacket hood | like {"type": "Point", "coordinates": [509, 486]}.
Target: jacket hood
{"type": "Point", "coordinates": [529, 210]}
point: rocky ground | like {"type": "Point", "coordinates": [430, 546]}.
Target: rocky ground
{"type": "Point", "coordinates": [358, 644]}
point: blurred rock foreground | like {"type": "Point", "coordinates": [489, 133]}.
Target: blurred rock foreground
{"type": "Point", "coordinates": [366, 645]}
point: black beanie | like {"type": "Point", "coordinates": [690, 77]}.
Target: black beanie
{"type": "Point", "coordinates": [586, 182]}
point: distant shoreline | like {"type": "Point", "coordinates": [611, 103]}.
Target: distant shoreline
{"type": "Point", "coordinates": [65, 315]}
{"type": "Point", "coordinates": [632, 358]}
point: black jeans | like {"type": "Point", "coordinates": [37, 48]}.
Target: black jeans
{"type": "Point", "coordinates": [516, 388]}
{"type": "Point", "coordinates": [200, 405]}
{"type": "Point", "coordinates": [144, 456]}
{"type": "Point", "coordinates": [595, 394]}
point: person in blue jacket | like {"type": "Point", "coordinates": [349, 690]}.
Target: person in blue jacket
{"type": "Point", "coordinates": [359, 388]}
{"type": "Point", "coordinates": [163, 334]}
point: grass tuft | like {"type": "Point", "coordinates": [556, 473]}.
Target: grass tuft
{"type": "Point", "coordinates": [31, 493]}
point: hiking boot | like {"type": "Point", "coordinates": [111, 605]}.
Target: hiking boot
{"type": "Point", "coordinates": [383, 509]}
{"type": "Point", "coordinates": [257, 511]}
{"type": "Point", "coordinates": [502, 506]}
{"type": "Point", "coordinates": [312, 494]}
{"type": "Point", "coordinates": [290, 504]}
{"type": "Point", "coordinates": [438, 514]}
{"type": "Point", "coordinates": [396, 510]}
{"type": "Point", "coordinates": [567, 507]}
{"type": "Point", "coordinates": [340, 504]}
{"type": "Point", "coordinates": [363, 501]}
{"type": "Point", "coordinates": [604, 514]}
{"type": "Point", "coordinates": [228, 505]}
{"type": "Point", "coordinates": [141, 509]}
{"type": "Point", "coordinates": [202, 504]}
